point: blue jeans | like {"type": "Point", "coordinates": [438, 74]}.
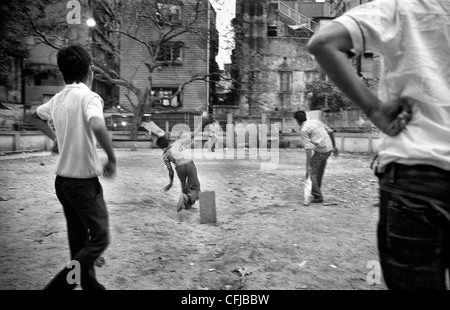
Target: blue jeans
{"type": "Point", "coordinates": [414, 226]}
{"type": "Point", "coordinates": [318, 164]}
{"type": "Point", "coordinates": [87, 229]}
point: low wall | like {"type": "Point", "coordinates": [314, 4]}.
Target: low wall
{"type": "Point", "coordinates": [128, 144]}
{"type": "Point", "coordinates": [125, 135]}
{"type": "Point", "coordinates": [357, 142]}
{"type": "Point", "coordinates": [13, 141]}
{"type": "Point", "coordinates": [346, 142]}
{"type": "Point", "coordinates": [16, 141]}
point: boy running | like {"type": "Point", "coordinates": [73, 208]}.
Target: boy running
{"type": "Point", "coordinates": [77, 115]}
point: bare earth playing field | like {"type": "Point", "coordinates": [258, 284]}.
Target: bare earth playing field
{"type": "Point", "coordinates": [264, 238]}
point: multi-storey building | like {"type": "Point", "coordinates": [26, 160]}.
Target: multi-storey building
{"type": "Point", "coordinates": [338, 7]}
{"type": "Point", "coordinates": [368, 66]}
{"type": "Point", "coordinates": [271, 61]}
{"type": "Point", "coordinates": [41, 78]}
{"type": "Point", "coordinates": [190, 53]}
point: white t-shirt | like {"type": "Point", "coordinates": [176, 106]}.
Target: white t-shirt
{"type": "Point", "coordinates": [70, 110]}
{"type": "Point", "coordinates": [414, 38]}
{"type": "Point", "coordinates": [316, 136]}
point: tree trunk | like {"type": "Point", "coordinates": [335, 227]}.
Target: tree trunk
{"type": "Point", "coordinates": [137, 119]}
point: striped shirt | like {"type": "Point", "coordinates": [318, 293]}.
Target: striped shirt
{"type": "Point", "coordinates": [174, 153]}
{"type": "Point", "coordinates": [315, 136]}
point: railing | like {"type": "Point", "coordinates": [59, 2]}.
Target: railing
{"type": "Point", "coordinates": [298, 18]}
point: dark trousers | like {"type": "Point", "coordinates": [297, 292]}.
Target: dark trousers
{"type": "Point", "coordinates": [189, 181]}
{"type": "Point", "coordinates": [414, 227]}
{"type": "Point", "coordinates": [318, 164]}
{"type": "Point", "coordinates": [87, 228]}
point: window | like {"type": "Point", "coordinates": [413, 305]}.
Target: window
{"type": "Point", "coordinates": [272, 31]}
{"type": "Point", "coordinates": [16, 72]}
{"type": "Point", "coordinates": [252, 9]}
{"type": "Point", "coordinates": [285, 81]}
{"type": "Point", "coordinates": [39, 77]}
{"type": "Point", "coordinates": [167, 93]}
{"type": "Point", "coordinates": [255, 75]}
{"type": "Point", "coordinates": [311, 76]}
{"type": "Point", "coordinates": [168, 14]}
{"type": "Point", "coordinates": [48, 79]}
{"type": "Point", "coordinates": [170, 53]}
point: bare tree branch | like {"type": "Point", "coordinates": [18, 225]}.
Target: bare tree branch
{"type": "Point", "coordinates": [102, 74]}
{"type": "Point", "coordinates": [40, 34]}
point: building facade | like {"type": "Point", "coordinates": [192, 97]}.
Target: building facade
{"type": "Point", "coordinates": [271, 60]}
{"type": "Point", "coordinates": [161, 65]}
{"type": "Point", "coordinates": [338, 7]}
{"type": "Point", "coordinates": [41, 78]}
{"type": "Point", "coordinates": [369, 65]}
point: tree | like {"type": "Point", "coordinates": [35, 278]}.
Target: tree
{"type": "Point", "coordinates": [248, 67]}
{"type": "Point", "coordinates": [11, 43]}
{"type": "Point", "coordinates": [323, 95]}
{"type": "Point", "coordinates": [153, 25]}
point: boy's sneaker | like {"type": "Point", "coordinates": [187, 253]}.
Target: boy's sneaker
{"type": "Point", "coordinates": [315, 200]}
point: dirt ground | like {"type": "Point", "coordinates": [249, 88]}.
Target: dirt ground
{"type": "Point", "coordinates": [264, 237]}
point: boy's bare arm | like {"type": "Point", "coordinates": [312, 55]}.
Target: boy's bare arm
{"type": "Point", "coordinates": [103, 137]}
{"type": "Point", "coordinates": [335, 150]}
{"type": "Point", "coordinates": [171, 175]}
{"type": "Point", "coordinates": [44, 126]}
{"type": "Point", "coordinates": [330, 47]}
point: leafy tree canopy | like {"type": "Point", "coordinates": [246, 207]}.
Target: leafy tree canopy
{"type": "Point", "coordinates": [324, 95]}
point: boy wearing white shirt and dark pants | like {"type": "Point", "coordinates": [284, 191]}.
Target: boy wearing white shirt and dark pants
{"type": "Point", "coordinates": [412, 110]}
{"type": "Point", "coordinates": [77, 115]}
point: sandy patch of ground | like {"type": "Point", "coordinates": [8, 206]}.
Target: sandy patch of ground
{"type": "Point", "coordinates": [264, 238]}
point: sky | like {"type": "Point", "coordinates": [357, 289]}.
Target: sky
{"type": "Point", "coordinates": [225, 10]}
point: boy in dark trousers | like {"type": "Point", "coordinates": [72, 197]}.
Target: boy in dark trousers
{"type": "Point", "coordinates": [175, 153]}
{"type": "Point", "coordinates": [77, 115]}
{"type": "Point", "coordinates": [412, 109]}
{"type": "Point", "coordinates": [319, 143]}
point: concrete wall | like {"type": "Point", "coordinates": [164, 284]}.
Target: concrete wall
{"type": "Point", "coordinates": [357, 142]}
{"type": "Point", "coordinates": [132, 145]}
{"type": "Point", "coordinates": [23, 141]}
{"type": "Point", "coordinates": [364, 143]}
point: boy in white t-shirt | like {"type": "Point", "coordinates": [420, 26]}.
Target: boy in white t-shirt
{"type": "Point", "coordinates": [214, 133]}
{"type": "Point", "coordinates": [412, 110]}
{"type": "Point", "coordinates": [77, 115]}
